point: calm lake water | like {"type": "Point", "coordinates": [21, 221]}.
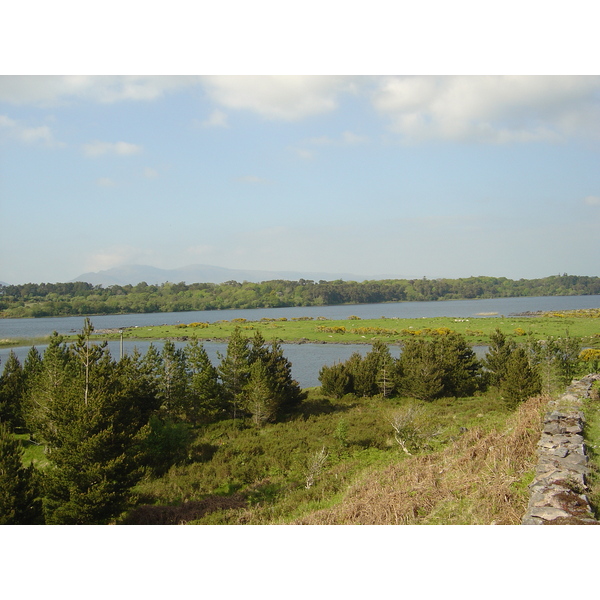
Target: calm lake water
{"type": "Point", "coordinates": [306, 359]}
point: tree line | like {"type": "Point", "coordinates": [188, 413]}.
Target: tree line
{"type": "Point", "coordinates": [80, 298]}
{"type": "Point", "coordinates": [446, 366]}
{"type": "Point", "coordinates": [104, 423]}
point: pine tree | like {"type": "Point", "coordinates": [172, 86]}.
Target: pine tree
{"type": "Point", "coordinates": [234, 370]}
{"type": "Point", "coordinates": [173, 383]}
{"type": "Point", "coordinates": [336, 380]}
{"type": "Point", "coordinates": [206, 399]}
{"type": "Point", "coordinates": [19, 490]}
{"type": "Point", "coordinates": [12, 387]}
{"type": "Point", "coordinates": [260, 398]}
{"type": "Point", "coordinates": [460, 366]}
{"type": "Point", "coordinates": [287, 390]}
{"type": "Point", "coordinates": [420, 373]}
{"type": "Point", "coordinates": [496, 358]}
{"type": "Point", "coordinates": [89, 420]}
{"type": "Point", "coordinates": [386, 376]}
{"type": "Point", "coordinates": [521, 380]}
{"type": "Point", "coordinates": [362, 373]}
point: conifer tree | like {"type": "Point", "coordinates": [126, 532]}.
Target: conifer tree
{"type": "Point", "coordinates": [204, 388]}
{"type": "Point", "coordinates": [521, 380]}
{"type": "Point", "coordinates": [460, 366]}
{"type": "Point", "coordinates": [336, 380]}
{"type": "Point", "coordinates": [173, 382]}
{"type": "Point", "coordinates": [19, 491]}
{"type": "Point", "coordinates": [12, 387]}
{"type": "Point", "coordinates": [234, 370]}
{"type": "Point", "coordinates": [386, 376]}
{"type": "Point", "coordinates": [260, 398]}
{"type": "Point", "coordinates": [496, 358]}
{"type": "Point", "coordinates": [89, 421]}
{"type": "Point", "coordinates": [420, 374]}
{"type": "Point", "coordinates": [287, 390]}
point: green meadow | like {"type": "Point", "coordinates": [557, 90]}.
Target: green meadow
{"type": "Point", "coordinates": [583, 325]}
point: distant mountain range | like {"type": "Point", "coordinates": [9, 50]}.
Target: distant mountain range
{"type": "Point", "coordinates": [134, 274]}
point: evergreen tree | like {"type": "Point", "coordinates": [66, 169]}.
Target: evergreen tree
{"type": "Point", "coordinates": [138, 385]}
{"type": "Point", "coordinates": [260, 398]}
{"type": "Point", "coordinates": [31, 369]}
{"type": "Point", "coordinates": [521, 380]}
{"type": "Point", "coordinates": [287, 390]}
{"type": "Point", "coordinates": [19, 493]}
{"type": "Point", "coordinates": [336, 380]}
{"type": "Point", "coordinates": [496, 358]}
{"type": "Point", "coordinates": [90, 422]}
{"type": "Point", "coordinates": [443, 366]}
{"type": "Point", "coordinates": [420, 374]}
{"type": "Point", "coordinates": [12, 387]}
{"type": "Point", "coordinates": [234, 370]}
{"type": "Point", "coordinates": [557, 360]}
{"type": "Point", "coordinates": [362, 374]}
{"type": "Point", "coordinates": [460, 366]}
{"type": "Point", "coordinates": [386, 376]}
{"type": "Point", "coordinates": [380, 363]}
{"type": "Point", "coordinates": [45, 384]}
{"type": "Point", "coordinates": [173, 382]}
{"type": "Point", "coordinates": [206, 401]}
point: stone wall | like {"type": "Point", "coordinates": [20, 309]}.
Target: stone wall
{"type": "Point", "coordinates": [558, 491]}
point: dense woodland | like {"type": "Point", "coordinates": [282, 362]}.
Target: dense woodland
{"type": "Point", "coordinates": [80, 298]}
{"type": "Point", "coordinates": [105, 425]}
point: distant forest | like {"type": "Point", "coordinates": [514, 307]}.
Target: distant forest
{"type": "Point", "coordinates": [80, 298]}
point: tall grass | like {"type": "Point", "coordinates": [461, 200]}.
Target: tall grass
{"type": "Point", "coordinates": [481, 478]}
{"type": "Point", "coordinates": [338, 462]}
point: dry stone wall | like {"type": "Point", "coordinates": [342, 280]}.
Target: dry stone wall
{"type": "Point", "coordinates": [558, 491]}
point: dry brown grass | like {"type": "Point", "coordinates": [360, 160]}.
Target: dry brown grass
{"type": "Point", "coordinates": [480, 479]}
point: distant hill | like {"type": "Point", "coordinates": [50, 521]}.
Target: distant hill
{"type": "Point", "coordinates": [134, 274]}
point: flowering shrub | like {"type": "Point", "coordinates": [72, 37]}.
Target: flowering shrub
{"type": "Point", "coordinates": [334, 329]}
{"type": "Point", "coordinates": [374, 330]}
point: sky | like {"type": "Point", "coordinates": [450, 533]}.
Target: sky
{"type": "Point", "coordinates": [416, 175]}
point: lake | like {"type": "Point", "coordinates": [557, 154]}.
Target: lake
{"type": "Point", "coordinates": [306, 359]}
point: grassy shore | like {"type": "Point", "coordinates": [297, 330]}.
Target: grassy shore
{"type": "Point", "coordinates": [16, 342]}
{"type": "Point", "coordinates": [583, 325]}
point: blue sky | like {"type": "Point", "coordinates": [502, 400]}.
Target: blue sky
{"type": "Point", "coordinates": [410, 176]}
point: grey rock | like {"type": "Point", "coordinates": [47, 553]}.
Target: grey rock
{"type": "Point", "coordinates": [548, 513]}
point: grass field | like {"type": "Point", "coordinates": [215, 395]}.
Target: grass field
{"type": "Point", "coordinates": [583, 325]}
{"type": "Point", "coordinates": [468, 461]}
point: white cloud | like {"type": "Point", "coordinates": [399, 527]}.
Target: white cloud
{"type": "Point", "coordinates": [347, 138]}
{"type": "Point", "coordinates": [49, 90]}
{"type": "Point", "coordinates": [351, 139]}
{"type": "Point", "coordinates": [286, 97]}
{"type": "Point", "coordinates": [98, 148]}
{"type": "Point", "coordinates": [105, 182]}
{"type": "Point", "coordinates": [150, 173]}
{"type": "Point", "coordinates": [116, 256]}
{"type": "Point", "coordinates": [216, 119]}
{"type": "Point", "coordinates": [41, 135]}
{"type": "Point", "coordinates": [303, 153]}
{"type": "Point", "coordinates": [496, 109]}
{"type": "Point", "coordinates": [592, 200]}
{"type": "Point", "coordinates": [7, 121]}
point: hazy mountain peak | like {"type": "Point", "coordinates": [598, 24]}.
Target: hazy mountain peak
{"type": "Point", "coordinates": [134, 274]}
